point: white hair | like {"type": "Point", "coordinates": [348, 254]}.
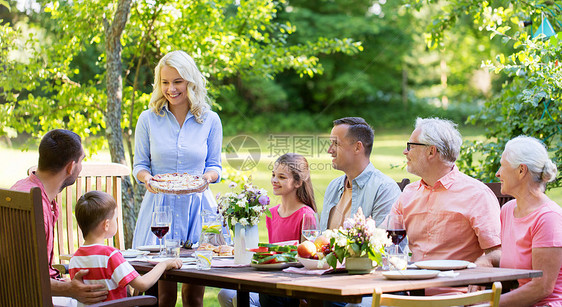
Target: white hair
{"type": "Point", "coordinates": [532, 153]}
{"type": "Point", "coordinates": [196, 92]}
{"type": "Point", "coordinates": [442, 134]}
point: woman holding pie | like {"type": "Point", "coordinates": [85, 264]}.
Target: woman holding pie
{"type": "Point", "coordinates": [178, 134]}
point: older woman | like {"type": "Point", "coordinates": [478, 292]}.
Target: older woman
{"type": "Point", "coordinates": [531, 230]}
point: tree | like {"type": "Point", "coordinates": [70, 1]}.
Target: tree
{"type": "Point", "coordinates": [530, 100]}
{"type": "Point", "coordinates": [225, 39]}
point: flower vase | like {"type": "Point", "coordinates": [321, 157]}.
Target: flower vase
{"type": "Point", "coordinates": [245, 237]}
{"type": "Point", "coordinates": [359, 265]}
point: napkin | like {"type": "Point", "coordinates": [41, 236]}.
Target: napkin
{"type": "Point", "coordinates": [189, 266]}
{"type": "Point", "coordinates": [448, 274]}
{"type": "Point", "coordinates": [306, 271]}
{"type": "Point", "coordinates": [225, 263]}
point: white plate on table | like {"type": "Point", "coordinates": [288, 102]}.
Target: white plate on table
{"type": "Point", "coordinates": [442, 265]}
{"type": "Point", "coordinates": [133, 253]}
{"type": "Point", "coordinates": [150, 248]}
{"type": "Point", "coordinates": [410, 274]}
{"type": "Point", "coordinates": [223, 257]}
{"type": "Point", "coordinates": [184, 260]}
{"type": "Point", "coordinates": [274, 266]}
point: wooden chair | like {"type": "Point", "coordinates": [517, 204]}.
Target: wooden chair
{"type": "Point", "coordinates": [94, 176]}
{"type": "Point", "coordinates": [491, 297]}
{"type": "Point", "coordinates": [496, 188]}
{"type": "Point", "coordinates": [24, 271]}
{"type": "Point", "coordinates": [402, 184]}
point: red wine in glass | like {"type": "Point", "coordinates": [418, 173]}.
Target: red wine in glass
{"type": "Point", "coordinates": [160, 231]}
{"type": "Point", "coordinates": [160, 225]}
{"type": "Point", "coordinates": [397, 235]}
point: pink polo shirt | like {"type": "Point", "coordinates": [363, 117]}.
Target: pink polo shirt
{"type": "Point", "coordinates": [51, 211]}
{"type": "Point", "coordinates": [540, 228]}
{"type": "Point", "coordinates": [458, 218]}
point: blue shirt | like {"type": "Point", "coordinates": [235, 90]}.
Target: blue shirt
{"type": "Point", "coordinates": [162, 146]}
{"type": "Point", "coordinates": [372, 190]}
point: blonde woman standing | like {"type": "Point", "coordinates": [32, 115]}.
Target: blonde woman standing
{"type": "Point", "coordinates": [178, 134]}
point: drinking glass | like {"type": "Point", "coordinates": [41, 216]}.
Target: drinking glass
{"type": "Point", "coordinates": [161, 220]}
{"type": "Point", "coordinates": [310, 226]}
{"type": "Point", "coordinates": [394, 225]}
{"type": "Point", "coordinates": [173, 248]}
{"type": "Point", "coordinates": [203, 259]}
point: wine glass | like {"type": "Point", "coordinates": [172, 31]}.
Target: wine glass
{"type": "Point", "coordinates": [310, 226]}
{"type": "Point", "coordinates": [394, 225]}
{"type": "Point", "coordinates": [161, 220]}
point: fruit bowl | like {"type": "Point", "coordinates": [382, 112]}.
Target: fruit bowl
{"type": "Point", "coordinates": [313, 264]}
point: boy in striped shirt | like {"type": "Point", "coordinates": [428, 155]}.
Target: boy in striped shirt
{"type": "Point", "coordinates": [96, 215]}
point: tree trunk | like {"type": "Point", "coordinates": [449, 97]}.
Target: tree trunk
{"type": "Point", "coordinates": [404, 85]}
{"type": "Point", "coordinates": [114, 132]}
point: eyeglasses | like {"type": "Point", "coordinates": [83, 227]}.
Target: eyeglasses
{"type": "Point", "coordinates": [408, 145]}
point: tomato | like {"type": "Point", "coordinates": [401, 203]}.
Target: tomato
{"type": "Point", "coordinates": [270, 261]}
{"type": "Point", "coordinates": [261, 249]}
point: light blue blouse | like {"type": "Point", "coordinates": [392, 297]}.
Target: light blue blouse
{"type": "Point", "coordinates": [161, 146]}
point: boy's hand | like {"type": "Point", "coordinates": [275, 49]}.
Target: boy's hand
{"type": "Point", "coordinates": [173, 264]}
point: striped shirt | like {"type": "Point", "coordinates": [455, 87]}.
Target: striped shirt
{"type": "Point", "coordinates": [106, 266]}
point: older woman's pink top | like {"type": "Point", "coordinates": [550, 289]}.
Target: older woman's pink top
{"type": "Point", "coordinates": [541, 228]}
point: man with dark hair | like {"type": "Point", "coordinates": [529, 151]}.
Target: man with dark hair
{"type": "Point", "coordinates": [60, 163]}
{"type": "Point", "coordinates": [362, 185]}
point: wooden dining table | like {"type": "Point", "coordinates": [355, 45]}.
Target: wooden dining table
{"type": "Point", "coordinates": [340, 286]}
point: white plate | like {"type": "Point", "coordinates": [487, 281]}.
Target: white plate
{"type": "Point", "coordinates": [312, 264]}
{"type": "Point", "coordinates": [410, 274]}
{"type": "Point", "coordinates": [184, 260]}
{"type": "Point", "coordinates": [274, 266]}
{"type": "Point", "coordinates": [150, 248]}
{"type": "Point", "coordinates": [442, 264]}
{"type": "Point", "coordinates": [133, 253]}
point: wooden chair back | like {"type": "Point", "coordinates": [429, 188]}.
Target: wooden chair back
{"type": "Point", "coordinates": [24, 271]}
{"type": "Point", "coordinates": [490, 297]}
{"type": "Point", "coordinates": [496, 188]}
{"type": "Point", "coordinates": [402, 184]}
{"type": "Point", "coordinates": [105, 177]}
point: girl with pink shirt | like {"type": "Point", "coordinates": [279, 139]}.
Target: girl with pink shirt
{"type": "Point", "coordinates": [531, 234]}
{"type": "Point", "coordinates": [290, 179]}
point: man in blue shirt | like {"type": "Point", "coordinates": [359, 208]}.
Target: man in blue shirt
{"type": "Point", "coordinates": [362, 185]}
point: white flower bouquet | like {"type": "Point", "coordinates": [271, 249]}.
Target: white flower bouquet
{"type": "Point", "coordinates": [358, 237]}
{"type": "Point", "coordinates": [245, 207]}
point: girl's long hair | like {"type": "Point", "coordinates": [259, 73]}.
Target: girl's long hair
{"type": "Point", "coordinates": [298, 166]}
{"type": "Point", "coordinates": [196, 91]}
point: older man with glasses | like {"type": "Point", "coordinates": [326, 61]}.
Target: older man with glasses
{"type": "Point", "coordinates": [447, 214]}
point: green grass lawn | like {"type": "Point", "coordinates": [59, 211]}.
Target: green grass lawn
{"type": "Point", "coordinates": [387, 156]}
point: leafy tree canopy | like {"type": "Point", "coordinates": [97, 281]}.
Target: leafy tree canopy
{"type": "Point", "coordinates": [58, 79]}
{"type": "Point", "coordinates": [530, 101]}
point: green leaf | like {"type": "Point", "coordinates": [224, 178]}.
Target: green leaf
{"type": "Point", "coordinates": [6, 4]}
{"type": "Point", "coordinates": [332, 260]}
{"type": "Point", "coordinates": [340, 253]}
{"type": "Point", "coordinates": [356, 249]}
